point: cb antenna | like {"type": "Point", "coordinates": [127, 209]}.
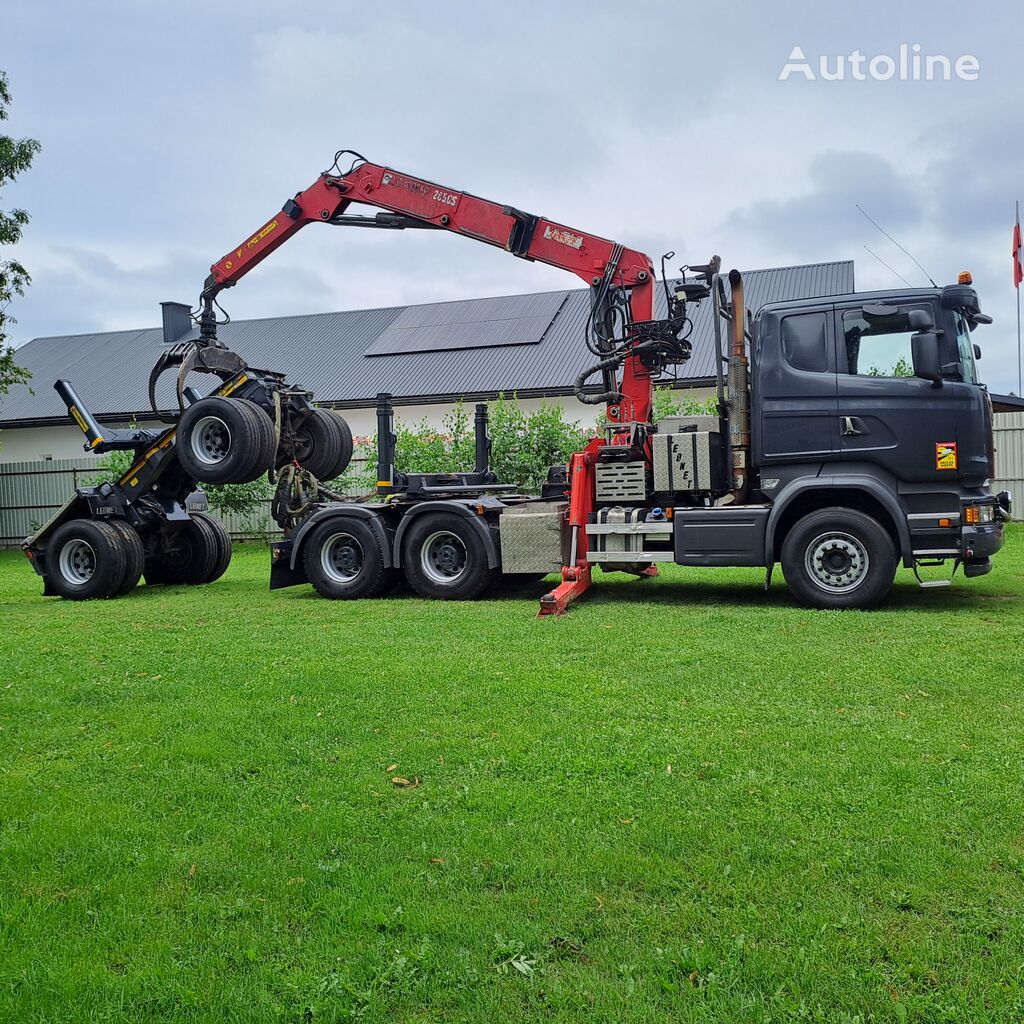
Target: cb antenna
{"type": "Point", "coordinates": [887, 267]}
{"type": "Point", "coordinates": [897, 244]}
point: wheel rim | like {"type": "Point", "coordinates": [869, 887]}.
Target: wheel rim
{"type": "Point", "coordinates": [341, 558]}
{"type": "Point", "coordinates": [210, 440]}
{"type": "Point", "coordinates": [837, 562]}
{"type": "Point", "coordinates": [77, 562]}
{"type": "Point", "coordinates": [443, 558]}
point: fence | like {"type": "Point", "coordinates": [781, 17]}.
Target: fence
{"type": "Point", "coordinates": [1009, 431]}
{"type": "Point", "coordinates": [30, 492]}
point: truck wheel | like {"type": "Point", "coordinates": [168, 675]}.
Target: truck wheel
{"type": "Point", "coordinates": [324, 444]}
{"type": "Point", "coordinates": [223, 543]}
{"type": "Point", "coordinates": [86, 559]}
{"type": "Point", "coordinates": [135, 556]}
{"type": "Point", "coordinates": [444, 556]}
{"type": "Point", "coordinates": [343, 559]}
{"type": "Point", "coordinates": [187, 554]}
{"type": "Point", "coordinates": [223, 441]}
{"type": "Point", "coordinates": [839, 558]}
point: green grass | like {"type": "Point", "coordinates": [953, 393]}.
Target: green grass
{"type": "Point", "coordinates": [686, 800]}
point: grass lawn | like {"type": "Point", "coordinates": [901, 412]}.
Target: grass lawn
{"type": "Point", "coordinates": [687, 800]}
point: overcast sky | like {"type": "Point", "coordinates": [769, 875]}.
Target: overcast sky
{"type": "Point", "coordinates": [171, 129]}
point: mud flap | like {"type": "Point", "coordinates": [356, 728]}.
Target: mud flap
{"type": "Point", "coordinates": [281, 573]}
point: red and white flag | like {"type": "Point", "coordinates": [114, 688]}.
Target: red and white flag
{"type": "Point", "coordinates": [1018, 253]}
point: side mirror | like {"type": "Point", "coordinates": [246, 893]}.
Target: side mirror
{"type": "Point", "coordinates": [924, 349]}
{"type": "Point", "coordinates": [920, 320]}
{"type": "Point", "coordinates": [977, 351]}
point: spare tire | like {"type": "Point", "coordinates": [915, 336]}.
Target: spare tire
{"type": "Point", "coordinates": [323, 444]}
{"type": "Point", "coordinates": [224, 441]}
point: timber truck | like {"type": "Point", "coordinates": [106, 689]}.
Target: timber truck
{"type": "Point", "coordinates": [812, 459]}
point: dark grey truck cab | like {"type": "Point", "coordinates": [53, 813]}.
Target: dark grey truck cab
{"type": "Point", "coordinates": [871, 402]}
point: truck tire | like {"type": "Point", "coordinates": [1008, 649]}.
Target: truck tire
{"type": "Point", "coordinates": [223, 441]}
{"type": "Point", "coordinates": [190, 555]}
{"type": "Point", "coordinates": [223, 541]}
{"type": "Point", "coordinates": [263, 425]}
{"type": "Point", "coordinates": [324, 444]}
{"type": "Point", "coordinates": [343, 560]}
{"type": "Point", "coordinates": [135, 557]}
{"type": "Point", "coordinates": [444, 556]}
{"type": "Point", "coordinates": [839, 558]}
{"type": "Point", "coordinates": [86, 559]}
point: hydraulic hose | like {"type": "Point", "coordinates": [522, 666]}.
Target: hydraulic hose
{"type": "Point", "coordinates": [605, 396]}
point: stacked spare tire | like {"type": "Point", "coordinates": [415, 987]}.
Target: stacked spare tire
{"type": "Point", "coordinates": [233, 441]}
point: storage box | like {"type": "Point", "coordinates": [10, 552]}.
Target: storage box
{"type": "Point", "coordinates": [534, 537]}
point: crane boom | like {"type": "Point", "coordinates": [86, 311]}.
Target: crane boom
{"type": "Point", "coordinates": [415, 202]}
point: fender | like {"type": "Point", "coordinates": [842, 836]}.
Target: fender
{"type": "Point", "coordinates": [371, 516]}
{"type": "Point", "coordinates": [465, 508]}
{"type": "Point", "coordinates": [870, 485]}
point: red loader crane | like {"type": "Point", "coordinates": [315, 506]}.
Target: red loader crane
{"type": "Point", "coordinates": [622, 331]}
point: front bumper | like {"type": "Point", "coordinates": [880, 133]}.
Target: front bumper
{"type": "Point", "coordinates": [979, 542]}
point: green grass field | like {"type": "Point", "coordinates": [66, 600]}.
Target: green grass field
{"type": "Point", "coordinates": [688, 800]}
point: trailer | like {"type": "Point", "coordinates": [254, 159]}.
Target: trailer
{"type": "Point", "coordinates": [152, 521]}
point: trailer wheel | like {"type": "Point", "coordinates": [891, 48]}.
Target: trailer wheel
{"type": "Point", "coordinates": [324, 444]}
{"type": "Point", "coordinates": [135, 556]}
{"type": "Point", "coordinates": [839, 558]}
{"type": "Point", "coordinates": [86, 559]}
{"type": "Point", "coordinates": [186, 554]}
{"type": "Point", "coordinates": [223, 543]}
{"type": "Point", "coordinates": [343, 559]}
{"type": "Point", "coordinates": [223, 441]}
{"type": "Point", "coordinates": [444, 556]}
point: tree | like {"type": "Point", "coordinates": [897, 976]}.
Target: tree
{"type": "Point", "coordinates": [16, 155]}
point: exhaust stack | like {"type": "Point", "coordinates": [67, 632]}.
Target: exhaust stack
{"type": "Point", "coordinates": [739, 394]}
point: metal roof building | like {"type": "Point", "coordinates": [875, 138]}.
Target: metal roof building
{"type": "Point", "coordinates": [532, 345]}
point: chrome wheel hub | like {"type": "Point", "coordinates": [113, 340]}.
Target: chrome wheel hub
{"type": "Point", "coordinates": [210, 440]}
{"type": "Point", "coordinates": [837, 562]}
{"type": "Point", "coordinates": [77, 562]}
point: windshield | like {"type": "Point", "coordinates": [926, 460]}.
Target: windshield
{"type": "Point", "coordinates": [968, 368]}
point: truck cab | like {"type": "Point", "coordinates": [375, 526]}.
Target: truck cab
{"type": "Point", "coordinates": [872, 402]}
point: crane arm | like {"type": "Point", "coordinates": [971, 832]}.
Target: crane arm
{"type": "Point", "coordinates": [603, 264]}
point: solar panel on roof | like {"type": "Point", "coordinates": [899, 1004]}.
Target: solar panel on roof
{"type": "Point", "coordinates": [475, 323]}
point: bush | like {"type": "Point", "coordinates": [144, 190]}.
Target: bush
{"type": "Point", "coordinates": [671, 403]}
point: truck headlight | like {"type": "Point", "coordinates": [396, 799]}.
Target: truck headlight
{"type": "Point", "coordinates": [978, 515]}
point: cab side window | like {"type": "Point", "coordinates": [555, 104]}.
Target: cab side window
{"type": "Point", "coordinates": [876, 347]}
{"type": "Point", "coordinates": [805, 342]}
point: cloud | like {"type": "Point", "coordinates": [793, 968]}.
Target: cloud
{"type": "Point", "coordinates": [661, 125]}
